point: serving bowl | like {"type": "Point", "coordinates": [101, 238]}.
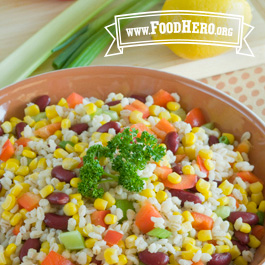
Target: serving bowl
{"type": "Point", "coordinates": [98, 81]}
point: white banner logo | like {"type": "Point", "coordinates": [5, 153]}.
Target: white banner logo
{"type": "Point", "coordinates": [190, 27]}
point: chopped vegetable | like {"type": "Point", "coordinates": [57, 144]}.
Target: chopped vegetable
{"type": "Point", "coordinates": [160, 233]}
{"type": "Point", "coordinates": [29, 201]}
{"type": "Point", "coordinates": [202, 221]}
{"type": "Point", "coordinates": [125, 205]}
{"type": "Point", "coordinates": [223, 139]}
{"type": "Point", "coordinates": [62, 144]}
{"type": "Point", "coordinates": [72, 240]}
{"type": "Point", "coordinates": [7, 151]}
{"type": "Point", "coordinates": [16, 229]}
{"type": "Point", "coordinates": [258, 231]}
{"type": "Point", "coordinates": [113, 237]}
{"type": "Point", "coordinates": [261, 217]}
{"type": "Point", "coordinates": [201, 165]}
{"type": "Point", "coordinates": [48, 130]}
{"type": "Point", "coordinates": [74, 99]}
{"type": "Point", "coordinates": [162, 172]}
{"type": "Point", "coordinates": [223, 211]}
{"type": "Point", "coordinates": [23, 141]}
{"type": "Point", "coordinates": [54, 258]}
{"type": "Point", "coordinates": [249, 177]}
{"type": "Point", "coordinates": [39, 117]}
{"type": "Point", "coordinates": [136, 151]}
{"type": "Point", "coordinates": [141, 128]}
{"type": "Point", "coordinates": [97, 218]}
{"type": "Point", "coordinates": [162, 128]}
{"type": "Point", "coordinates": [187, 182]}
{"type": "Point", "coordinates": [209, 125]}
{"type": "Point", "coordinates": [140, 106]}
{"type": "Point", "coordinates": [162, 97]}
{"type": "Point", "coordinates": [143, 217]}
{"type": "Point", "coordinates": [195, 118]}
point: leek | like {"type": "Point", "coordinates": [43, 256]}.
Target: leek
{"type": "Point", "coordinates": [23, 61]}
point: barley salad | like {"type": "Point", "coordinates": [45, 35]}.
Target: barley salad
{"type": "Point", "coordinates": [128, 180]}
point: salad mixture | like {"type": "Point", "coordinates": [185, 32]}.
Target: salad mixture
{"type": "Point", "coordinates": [128, 180]}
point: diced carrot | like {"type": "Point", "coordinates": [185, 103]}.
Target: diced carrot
{"type": "Point", "coordinates": [29, 201]}
{"type": "Point", "coordinates": [23, 141]}
{"type": "Point", "coordinates": [81, 162]}
{"type": "Point", "coordinates": [187, 182]}
{"type": "Point", "coordinates": [237, 203]}
{"type": "Point", "coordinates": [74, 99]}
{"type": "Point", "coordinates": [143, 217]}
{"type": "Point", "coordinates": [113, 237]}
{"type": "Point", "coordinates": [195, 118]}
{"type": "Point", "coordinates": [249, 177]}
{"type": "Point", "coordinates": [7, 151]}
{"type": "Point", "coordinates": [201, 165]}
{"type": "Point", "coordinates": [54, 258]}
{"type": "Point", "coordinates": [162, 97]}
{"type": "Point", "coordinates": [97, 218]}
{"type": "Point", "coordinates": [213, 242]}
{"type": "Point", "coordinates": [243, 147]}
{"type": "Point", "coordinates": [48, 130]}
{"type": "Point", "coordinates": [137, 104]}
{"type": "Point", "coordinates": [202, 221]}
{"type": "Point", "coordinates": [258, 231]}
{"type": "Point", "coordinates": [141, 128]}
{"type": "Point", "coordinates": [198, 263]}
{"type": "Point", "coordinates": [17, 228]}
{"type": "Point", "coordinates": [162, 128]}
{"type": "Point", "coordinates": [162, 172]}
{"type": "Point", "coordinates": [179, 158]}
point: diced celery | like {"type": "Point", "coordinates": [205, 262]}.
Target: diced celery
{"type": "Point", "coordinates": [209, 125]}
{"type": "Point", "coordinates": [62, 144]}
{"type": "Point", "coordinates": [160, 233]}
{"type": "Point", "coordinates": [124, 205]}
{"type": "Point", "coordinates": [223, 211]}
{"type": "Point", "coordinates": [181, 112]}
{"type": "Point", "coordinates": [72, 240]}
{"type": "Point", "coordinates": [261, 217]}
{"type": "Point", "coordinates": [40, 116]}
{"type": "Point", "coordinates": [113, 114]}
{"type": "Point", "coordinates": [98, 112]}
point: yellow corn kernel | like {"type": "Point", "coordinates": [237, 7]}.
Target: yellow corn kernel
{"type": "Point", "coordinates": [188, 255]}
{"type": "Point", "coordinates": [23, 212]}
{"type": "Point", "coordinates": [154, 110]}
{"type": "Point", "coordinates": [173, 106]}
{"type": "Point", "coordinates": [205, 235]}
{"type": "Point", "coordinates": [74, 182]}
{"type": "Point", "coordinates": [79, 203]}
{"type": "Point", "coordinates": [105, 138]}
{"type": "Point", "coordinates": [111, 256]}
{"type": "Point", "coordinates": [16, 219]}
{"type": "Point", "coordinates": [51, 112]}
{"type": "Point", "coordinates": [12, 139]}
{"type": "Point", "coordinates": [189, 139]}
{"type": "Point", "coordinates": [59, 134]}
{"type": "Point", "coordinates": [257, 197]}
{"type": "Point", "coordinates": [110, 219]}
{"type": "Point", "coordinates": [239, 157]}
{"type": "Point", "coordinates": [76, 196]}
{"type": "Point", "coordinates": [190, 152]}
{"type": "Point", "coordinates": [161, 196]}
{"type": "Point", "coordinates": [122, 260]}
{"type": "Point", "coordinates": [56, 119]}
{"type": "Point", "coordinates": [70, 163]}
{"type": "Point", "coordinates": [11, 165]}
{"type": "Point", "coordinates": [95, 136]}
{"type": "Point", "coordinates": [63, 103]}
{"type": "Point", "coordinates": [148, 193]}
{"type": "Point", "coordinates": [45, 244]}
{"type": "Point", "coordinates": [222, 249]}
{"type": "Point", "coordinates": [9, 202]}
{"type": "Point", "coordinates": [172, 260]}
{"type": "Point", "coordinates": [245, 228]}
{"type": "Point", "coordinates": [198, 130]}
{"type": "Point", "coordinates": [154, 177]}
{"type": "Point", "coordinates": [100, 204]}
{"type": "Point", "coordinates": [69, 148]}
{"type": "Point", "coordinates": [118, 108]}
{"type": "Point", "coordinates": [45, 250]}
{"type": "Point", "coordinates": [32, 110]}
{"type": "Point", "coordinates": [240, 261]}
{"type": "Point", "coordinates": [3, 165]}
{"type": "Point", "coordinates": [90, 108]}
{"type": "Point", "coordinates": [186, 227]}
{"type": "Point", "coordinates": [70, 209]}
{"type": "Point", "coordinates": [226, 187]}
{"type": "Point", "coordinates": [31, 122]}
{"type": "Point", "coordinates": [2, 172]}
{"type": "Point", "coordinates": [60, 248]}
{"type": "Point", "coordinates": [26, 186]}
{"type": "Point", "coordinates": [253, 242]}
{"type": "Point", "coordinates": [192, 248]}
{"type": "Point", "coordinates": [174, 117]}
{"type": "Point", "coordinates": [66, 124]}
{"type": "Point", "coordinates": [10, 249]}
{"type": "Point", "coordinates": [121, 244]}
{"type": "Point", "coordinates": [187, 216]}
{"type": "Point", "coordinates": [90, 242]}
{"type": "Point", "coordinates": [42, 163]}
{"type": "Point", "coordinates": [164, 114]}
{"type": "Point", "coordinates": [202, 186]}
{"type": "Point", "coordinates": [177, 248]}
{"type": "Point", "coordinates": [230, 137]}
{"type": "Point", "coordinates": [80, 147]}
{"type": "Point", "coordinates": [109, 198]}
{"type": "Point", "coordinates": [7, 215]}
{"type": "Point", "coordinates": [237, 186]}
{"type": "Point", "coordinates": [99, 103]}
{"type": "Point", "coordinates": [137, 117]}
{"type": "Point", "coordinates": [235, 252]}
{"type": "Point", "coordinates": [228, 236]}
{"type": "Point", "coordinates": [60, 153]}
{"type": "Point", "coordinates": [33, 164]}
{"type": "Point", "coordinates": [262, 206]}
{"type": "Point", "coordinates": [206, 153]}
{"type": "Point", "coordinates": [46, 191]}
{"type": "Point", "coordinates": [174, 178]}
{"type": "Point", "coordinates": [23, 170]}
{"type": "Point", "coordinates": [252, 207]}
{"type": "Point", "coordinates": [209, 164]}
{"type": "Point", "coordinates": [256, 187]}
{"type": "Point", "coordinates": [208, 248]}
{"type": "Point", "coordinates": [2, 192]}
{"type": "Point", "coordinates": [40, 124]}
{"type": "Point", "coordinates": [177, 213]}
{"type": "Point", "coordinates": [130, 241]}
{"type": "Point", "coordinates": [16, 190]}
{"type": "Point", "coordinates": [60, 185]}
{"type": "Point", "coordinates": [207, 194]}
{"type": "Point", "coordinates": [76, 217]}
{"type": "Point", "coordinates": [223, 200]}
{"type": "Point", "coordinates": [6, 126]}
{"type": "Point", "coordinates": [188, 170]}
{"type": "Point", "coordinates": [14, 121]}
{"type": "Point", "coordinates": [181, 151]}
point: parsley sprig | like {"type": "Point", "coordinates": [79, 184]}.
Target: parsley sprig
{"type": "Point", "coordinates": [127, 154]}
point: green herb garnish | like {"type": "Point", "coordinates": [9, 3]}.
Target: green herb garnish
{"type": "Point", "coordinates": [127, 154]}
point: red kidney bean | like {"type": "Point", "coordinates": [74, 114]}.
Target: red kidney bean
{"type": "Point", "coordinates": [220, 259]}
{"type": "Point", "coordinates": [1, 131]}
{"type": "Point", "coordinates": [79, 128]}
{"type": "Point", "coordinates": [185, 196]}
{"type": "Point", "coordinates": [139, 97]}
{"type": "Point", "coordinates": [58, 198]}
{"type": "Point", "coordinates": [158, 258]}
{"type": "Point", "coordinates": [177, 168]}
{"type": "Point", "coordinates": [242, 237]}
{"type": "Point", "coordinates": [113, 103]}
{"type": "Point", "coordinates": [29, 243]}
{"type": "Point", "coordinates": [213, 140]}
{"type": "Point", "coordinates": [56, 221]}
{"type": "Point", "coordinates": [172, 141]}
{"type": "Point", "coordinates": [43, 101]}
{"type": "Point", "coordinates": [94, 260]}
{"type": "Point", "coordinates": [249, 218]}
{"type": "Point", "coordinates": [240, 246]}
{"type": "Point", "coordinates": [1, 187]}
{"type": "Point", "coordinates": [62, 174]}
{"type": "Point", "coordinates": [111, 124]}
{"type": "Point", "coordinates": [20, 128]}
